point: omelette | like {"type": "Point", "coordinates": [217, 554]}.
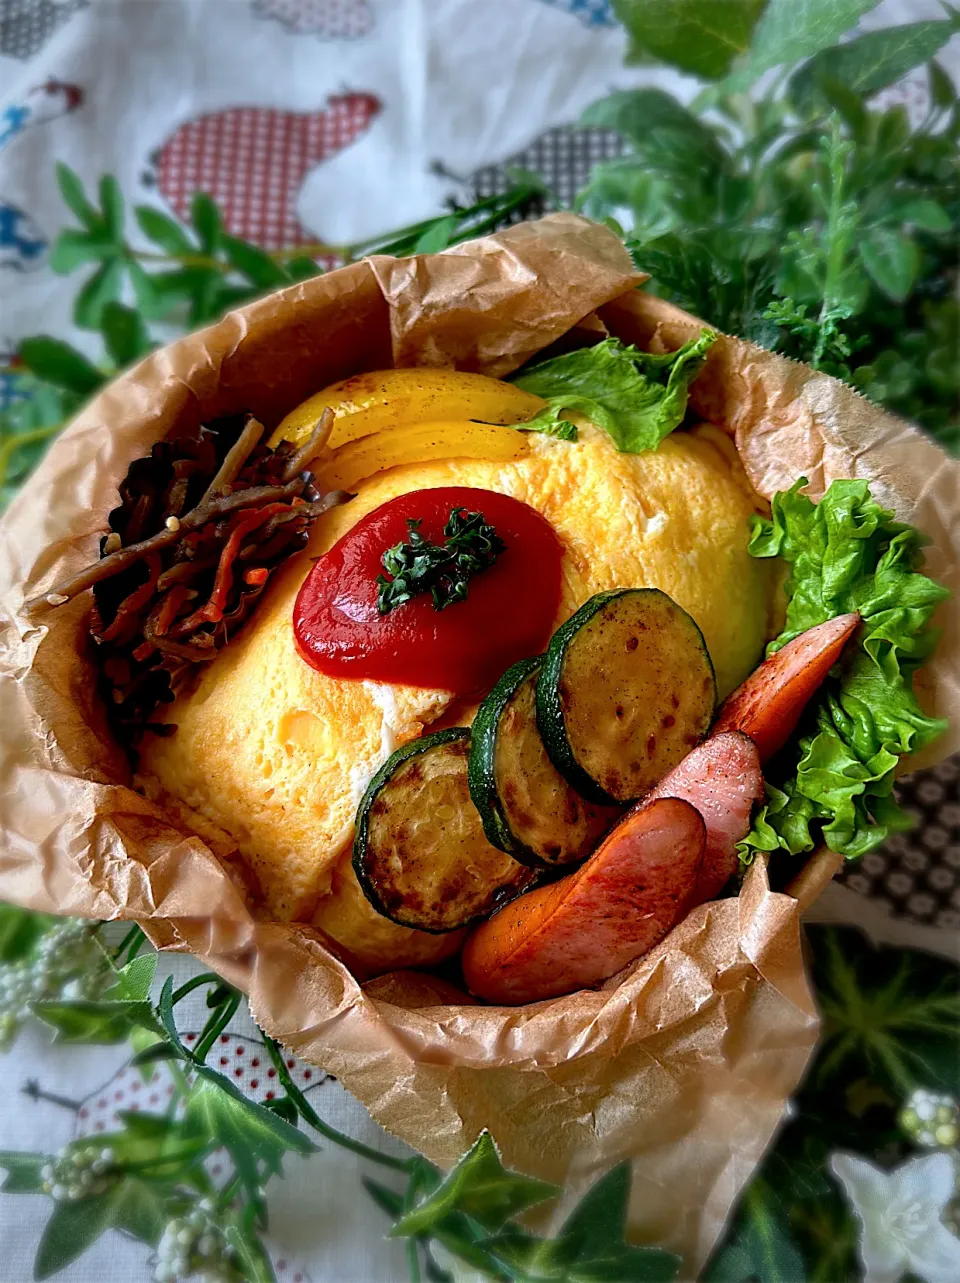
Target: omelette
{"type": "Point", "coordinates": [271, 757]}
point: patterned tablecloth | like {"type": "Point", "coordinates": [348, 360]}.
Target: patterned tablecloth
{"type": "Point", "coordinates": [324, 120]}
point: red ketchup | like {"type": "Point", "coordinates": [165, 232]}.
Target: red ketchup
{"type": "Point", "coordinates": [507, 615]}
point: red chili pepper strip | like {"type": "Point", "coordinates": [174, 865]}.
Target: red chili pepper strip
{"type": "Point", "coordinates": [137, 599]}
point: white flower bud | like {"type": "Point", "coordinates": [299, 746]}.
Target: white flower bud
{"type": "Point", "coordinates": [58, 1193]}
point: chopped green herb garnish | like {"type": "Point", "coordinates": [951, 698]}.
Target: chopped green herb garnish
{"type": "Point", "coordinates": [443, 570]}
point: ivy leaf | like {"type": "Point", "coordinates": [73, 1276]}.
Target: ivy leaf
{"type": "Point", "coordinates": [251, 1257]}
{"type": "Point", "coordinates": [124, 334]}
{"type": "Point", "coordinates": [788, 31]}
{"type": "Point", "coordinates": [702, 37]}
{"type": "Point", "coordinates": [72, 248]}
{"type": "Point", "coordinates": [103, 287]}
{"type": "Point", "coordinates": [71, 1229]}
{"type": "Point", "coordinates": [84, 1020]}
{"type": "Point", "coordinates": [23, 1172]}
{"type": "Point", "coordinates": [138, 1209]}
{"type": "Point", "coordinates": [60, 364]}
{"type": "Point", "coordinates": [480, 1187]}
{"type": "Point", "coordinates": [206, 221]}
{"type": "Point", "coordinates": [590, 1247]}
{"type": "Point", "coordinates": [889, 1015]}
{"type": "Point", "coordinates": [133, 981]}
{"type": "Point", "coordinates": [163, 231]}
{"type": "Point", "coordinates": [892, 260]}
{"type": "Point", "coordinates": [387, 1200]}
{"type": "Point", "coordinates": [251, 262]}
{"type": "Point", "coordinates": [253, 1135]}
{"type": "Point", "coordinates": [869, 63]}
{"type": "Point", "coordinates": [75, 198]}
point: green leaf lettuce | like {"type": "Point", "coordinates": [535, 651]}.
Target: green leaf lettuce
{"type": "Point", "coordinates": [637, 397]}
{"type": "Point", "coordinates": [846, 553]}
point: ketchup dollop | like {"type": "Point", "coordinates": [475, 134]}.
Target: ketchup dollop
{"type": "Point", "coordinates": [508, 613]}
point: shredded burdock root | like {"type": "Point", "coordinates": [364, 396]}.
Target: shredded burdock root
{"type": "Point", "coordinates": [203, 522]}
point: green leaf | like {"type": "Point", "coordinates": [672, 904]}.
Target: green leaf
{"type": "Point", "coordinates": [590, 1247]}
{"type": "Point", "coordinates": [302, 268]}
{"type": "Point", "coordinates": [646, 115]}
{"type": "Point", "coordinates": [869, 63]}
{"type": "Point", "coordinates": [71, 189]}
{"type": "Point", "coordinates": [138, 1208]}
{"type": "Point", "coordinates": [256, 1138]}
{"type": "Point", "coordinates": [480, 1187]}
{"type": "Point", "coordinates": [638, 397]}
{"type": "Point", "coordinates": [207, 223]}
{"type": "Point", "coordinates": [943, 92]}
{"type": "Point", "coordinates": [103, 287]}
{"type": "Point", "coordinates": [84, 1020]}
{"type": "Point", "coordinates": [732, 1264]}
{"type": "Point", "coordinates": [437, 236]}
{"type": "Point", "coordinates": [71, 1229]}
{"type": "Point", "coordinates": [125, 335]}
{"type": "Point", "coordinates": [892, 259]}
{"type": "Point", "coordinates": [774, 1255]}
{"type": "Point", "coordinates": [789, 31]}
{"type": "Point", "coordinates": [72, 248]}
{"type": "Point", "coordinates": [134, 980]}
{"type": "Point", "coordinates": [928, 215]}
{"type": "Point", "coordinates": [23, 1172]}
{"type": "Point", "coordinates": [387, 1200]}
{"type": "Point", "coordinates": [152, 305]}
{"type": "Point", "coordinates": [112, 206]}
{"type": "Point", "coordinates": [164, 231]}
{"type": "Point", "coordinates": [835, 779]}
{"type": "Point", "coordinates": [60, 364]}
{"type": "Point", "coordinates": [252, 262]}
{"type": "Point", "coordinates": [19, 931]}
{"type": "Point", "coordinates": [702, 37]}
{"type": "Point", "coordinates": [890, 1015]}
{"type": "Point", "coordinates": [251, 1255]}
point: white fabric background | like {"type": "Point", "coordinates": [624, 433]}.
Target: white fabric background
{"type": "Point", "coordinates": [467, 82]}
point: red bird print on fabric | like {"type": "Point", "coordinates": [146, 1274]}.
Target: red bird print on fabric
{"type": "Point", "coordinates": [252, 161]}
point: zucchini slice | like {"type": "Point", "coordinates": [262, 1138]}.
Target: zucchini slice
{"type": "Point", "coordinates": [627, 688]}
{"type": "Point", "coordinates": [527, 807]}
{"type": "Point", "coordinates": [420, 853]}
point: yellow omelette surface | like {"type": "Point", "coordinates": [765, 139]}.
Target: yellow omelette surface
{"type": "Point", "coordinates": [277, 755]}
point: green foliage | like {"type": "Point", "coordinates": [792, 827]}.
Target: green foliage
{"type": "Point", "coordinates": [807, 220]}
{"type": "Point", "coordinates": [702, 37]}
{"type": "Point", "coordinates": [638, 397]}
{"type": "Point", "coordinates": [834, 780]}
{"type": "Point", "coordinates": [479, 1187]}
{"type": "Point", "coordinates": [470, 1214]}
{"type": "Point", "coordinates": [791, 30]}
{"type": "Point", "coordinates": [185, 277]}
{"type": "Point", "coordinates": [891, 1022]}
{"type": "Point", "coordinates": [869, 63]}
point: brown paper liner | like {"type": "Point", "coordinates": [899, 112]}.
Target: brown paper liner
{"type": "Point", "coordinates": [684, 1062]}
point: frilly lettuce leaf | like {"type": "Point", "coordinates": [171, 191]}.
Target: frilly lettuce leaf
{"type": "Point", "coordinates": [835, 781]}
{"type": "Point", "coordinates": [638, 397]}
